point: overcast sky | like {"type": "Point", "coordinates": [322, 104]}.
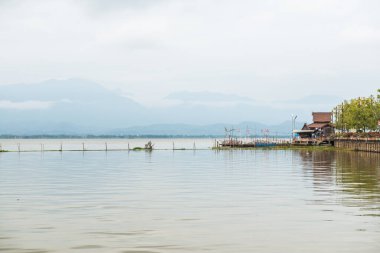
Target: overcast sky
{"type": "Point", "coordinates": [260, 50]}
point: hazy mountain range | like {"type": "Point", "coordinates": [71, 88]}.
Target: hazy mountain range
{"type": "Point", "coordinates": [78, 106]}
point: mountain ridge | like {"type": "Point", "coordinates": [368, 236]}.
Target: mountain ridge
{"type": "Point", "coordinates": [78, 106]}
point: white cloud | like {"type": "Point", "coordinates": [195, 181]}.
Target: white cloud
{"type": "Point", "coordinates": [361, 34]}
{"type": "Point", "coordinates": [205, 96]}
{"type": "Point", "coordinates": [26, 105]}
{"type": "Point", "coordinates": [262, 49]}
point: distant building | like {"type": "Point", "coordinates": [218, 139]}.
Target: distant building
{"type": "Point", "coordinates": [322, 124]}
{"type": "Point", "coordinates": [318, 131]}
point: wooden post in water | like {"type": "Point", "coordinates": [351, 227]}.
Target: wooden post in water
{"type": "Point", "coordinates": [128, 146]}
{"type": "Point", "coordinates": [82, 146]}
{"type": "Point", "coordinates": [18, 147]}
{"type": "Point", "coordinates": [106, 147]}
{"type": "Point", "coordinates": [61, 147]}
{"type": "Point", "coordinates": [194, 146]}
{"type": "Point", "coordinates": [173, 145]}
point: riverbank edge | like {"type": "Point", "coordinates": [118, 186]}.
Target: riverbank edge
{"type": "Point", "coordinates": [302, 148]}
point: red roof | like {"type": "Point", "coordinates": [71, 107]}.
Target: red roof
{"type": "Point", "coordinates": [318, 125]}
{"type": "Point", "coordinates": [322, 117]}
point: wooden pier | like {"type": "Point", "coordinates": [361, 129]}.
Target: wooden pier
{"type": "Point", "coordinates": [322, 141]}
{"type": "Point", "coordinates": [358, 144]}
{"type": "Point", "coordinates": [254, 143]}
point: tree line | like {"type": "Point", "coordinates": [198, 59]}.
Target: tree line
{"type": "Point", "coordinates": [360, 114]}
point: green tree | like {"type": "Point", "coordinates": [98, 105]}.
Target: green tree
{"type": "Point", "coordinates": [361, 114]}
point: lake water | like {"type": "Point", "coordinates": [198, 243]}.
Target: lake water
{"type": "Point", "coordinates": [190, 201]}
{"type": "Point", "coordinates": [102, 144]}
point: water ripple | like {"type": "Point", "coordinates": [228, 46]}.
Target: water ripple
{"type": "Point", "coordinates": [214, 201]}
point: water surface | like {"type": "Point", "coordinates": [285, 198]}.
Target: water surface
{"type": "Point", "coordinates": [190, 201]}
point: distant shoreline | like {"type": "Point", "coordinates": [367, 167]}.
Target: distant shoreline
{"type": "Point", "coordinates": [122, 136]}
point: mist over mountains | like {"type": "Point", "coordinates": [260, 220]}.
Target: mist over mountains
{"type": "Point", "coordinates": [77, 106]}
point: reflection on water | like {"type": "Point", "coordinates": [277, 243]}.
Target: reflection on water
{"type": "Point", "coordinates": [190, 201]}
{"type": "Point", "coordinates": [352, 176]}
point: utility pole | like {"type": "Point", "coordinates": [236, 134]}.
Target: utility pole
{"type": "Point", "coordinates": [293, 124]}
